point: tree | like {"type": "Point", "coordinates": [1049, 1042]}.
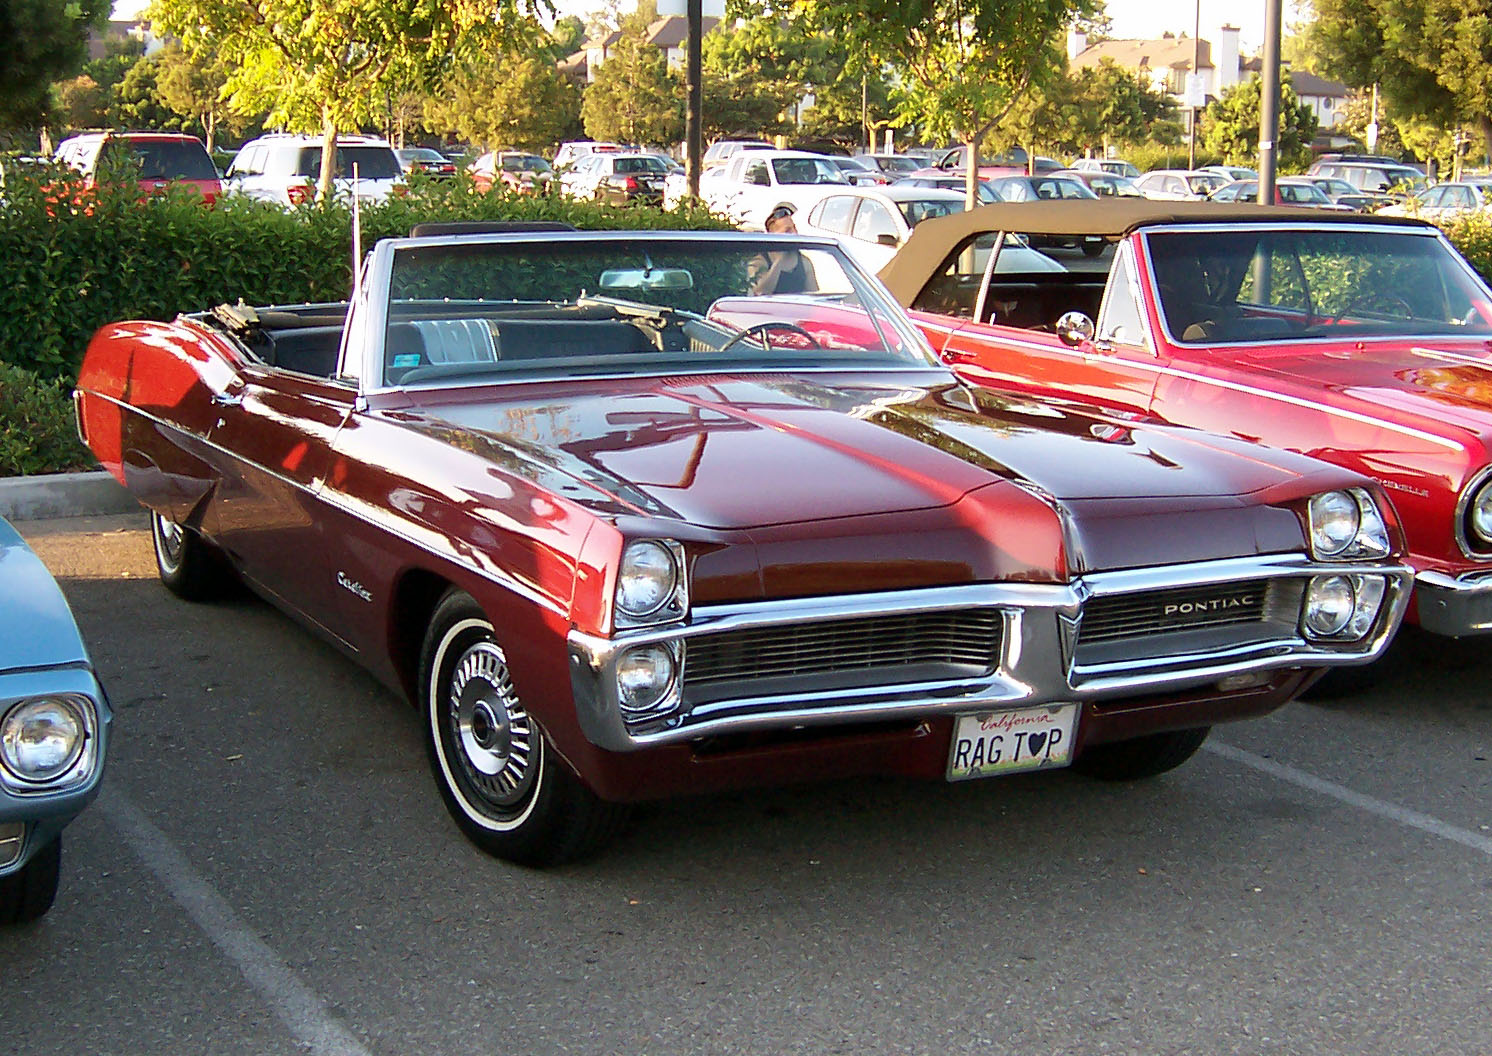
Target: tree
{"type": "Point", "coordinates": [754, 74]}
{"type": "Point", "coordinates": [137, 99]}
{"type": "Point", "coordinates": [80, 102]}
{"type": "Point", "coordinates": [635, 97]}
{"type": "Point", "coordinates": [1431, 59]}
{"type": "Point", "coordinates": [45, 40]}
{"type": "Point", "coordinates": [1087, 110]}
{"type": "Point", "coordinates": [193, 88]}
{"type": "Point", "coordinates": [1230, 125]}
{"type": "Point", "coordinates": [519, 99]}
{"type": "Point", "coordinates": [934, 45]}
{"type": "Point", "coordinates": [330, 64]}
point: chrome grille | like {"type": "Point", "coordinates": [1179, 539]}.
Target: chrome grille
{"type": "Point", "coordinates": [1216, 605]}
{"type": "Point", "coordinates": [958, 643]}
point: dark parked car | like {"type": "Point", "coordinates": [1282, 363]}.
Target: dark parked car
{"type": "Point", "coordinates": [622, 529]}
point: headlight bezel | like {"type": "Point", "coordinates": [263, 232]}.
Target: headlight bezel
{"type": "Point", "coordinates": [1370, 538]}
{"type": "Point", "coordinates": [1471, 543]}
{"type": "Point", "coordinates": [81, 761]}
{"type": "Point", "coordinates": [1366, 596]}
{"type": "Point", "coordinates": [670, 694]}
{"type": "Point", "coordinates": [673, 601]}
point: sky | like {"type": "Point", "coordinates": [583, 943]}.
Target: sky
{"type": "Point", "coordinates": [1132, 18]}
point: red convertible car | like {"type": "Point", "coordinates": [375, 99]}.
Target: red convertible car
{"type": "Point", "coordinates": [1361, 340]}
{"type": "Point", "coordinates": [622, 531]}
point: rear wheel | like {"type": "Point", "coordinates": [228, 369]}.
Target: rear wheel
{"type": "Point", "coordinates": [189, 566]}
{"type": "Point", "coordinates": [1141, 757]}
{"type": "Point", "coordinates": [26, 895]}
{"type": "Point", "coordinates": [497, 774]}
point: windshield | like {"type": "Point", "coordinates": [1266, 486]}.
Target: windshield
{"type": "Point", "coordinates": [1205, 182]}
{"type": "Point", "coordinates": [637, 305]}
{"type": "Point", "coordinates": [373, 163]}
{"type": "Point", "coordinates": [524, 163]}
{"type": "Point", "coordinates": [917, 210]}
{"type": "Point", "coordinates": [160, 159]}
{"type": "Point", "coordinates": [806, 170]}
{"type": "Point", "coordinates": [1342, 283]}
{"type": "Point", "coordinates": [646, 163]}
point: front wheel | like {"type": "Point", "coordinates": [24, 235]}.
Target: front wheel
{"type": "Point", "coordinates": [28, 893]}
{"type": "Point", "coordinates": [1141, 757]}
{"type": "Point", "coordinates": [188, 565]}
{"type": "Point", "coordinates": [497, 774]}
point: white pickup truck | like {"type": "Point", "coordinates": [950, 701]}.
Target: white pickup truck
{"type": "Point", "coordinates": [756, 182]}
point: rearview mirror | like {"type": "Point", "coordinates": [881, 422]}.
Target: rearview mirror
{"type": "Point", "coordinates": [647, 279]}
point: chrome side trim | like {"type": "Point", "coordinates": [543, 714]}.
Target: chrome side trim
{"type": "Point", "coordinates": [355, 510]}
{"type": "Point", "coordinates": [1036, 666]}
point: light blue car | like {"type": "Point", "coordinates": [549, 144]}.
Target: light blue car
{"type": "Point", "coordinates": [54, 725]}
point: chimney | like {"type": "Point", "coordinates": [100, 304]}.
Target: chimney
{"type": "Point", "coordinates": [1225, 58]}
{"type": "Point", "coordinates": [1077, 43]}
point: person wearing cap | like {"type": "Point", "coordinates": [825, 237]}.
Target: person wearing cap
{"type": "Point", "coordinates": [781, 271]}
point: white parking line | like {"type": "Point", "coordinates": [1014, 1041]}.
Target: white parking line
{"type": "Point", "coordinates": [1390, 811]}
{"type": "Point", "coordinates": [291, 1001]}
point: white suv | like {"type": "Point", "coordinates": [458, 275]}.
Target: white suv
{"type": "Point", "coordinates": [284, 168]}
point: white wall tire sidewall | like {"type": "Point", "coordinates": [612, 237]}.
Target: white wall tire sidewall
{"type": "Point", "coordinates": [435, 697]}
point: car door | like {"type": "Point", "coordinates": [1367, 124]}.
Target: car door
{"type": "Point", "coordinates": [1118, 370]}
{"type": "Point", "coordinates": [272, 438]}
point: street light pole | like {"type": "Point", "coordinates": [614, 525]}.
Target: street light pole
{"type": "Point", "coordinates": [1269, 102]}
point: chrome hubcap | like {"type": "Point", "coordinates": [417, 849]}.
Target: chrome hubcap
{"type": "Point", "coordinates": [491, 727]}
{"type": "Point", "coordinates": [170, 535]}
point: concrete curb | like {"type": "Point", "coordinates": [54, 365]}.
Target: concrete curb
{"type": "Point", "coordinates": [63, 495]}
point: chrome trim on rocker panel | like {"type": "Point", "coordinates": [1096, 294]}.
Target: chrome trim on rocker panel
{"type": "Point", "coordinates": [1036, 662]}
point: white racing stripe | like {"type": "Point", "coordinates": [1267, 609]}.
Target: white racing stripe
{"type": "Point", "coordinates": [1383, 809]}
{"type": "Point", "coordinates": [288, 998]}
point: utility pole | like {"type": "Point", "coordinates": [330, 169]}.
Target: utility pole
{"type": "Point", "coordinates": [1195, 81]}
{"type": "Point", "coordinates": [693, 119]}
{"type": "Point", "coordinates": [1269, 102]}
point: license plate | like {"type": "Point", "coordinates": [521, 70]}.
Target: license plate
{"type": "Point", "coordinates": [993, 743]}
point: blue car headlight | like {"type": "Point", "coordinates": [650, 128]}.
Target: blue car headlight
{"type": "Point", "coordinates": [43, 738]}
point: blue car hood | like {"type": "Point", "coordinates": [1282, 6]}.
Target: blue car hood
{"type": "Point", "coordinates": [36, 626]}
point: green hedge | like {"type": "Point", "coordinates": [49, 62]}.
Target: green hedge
{"type": "Point", "coordinates": [77, 259]}
{"type": "Point", "coordinates": [37, 434]}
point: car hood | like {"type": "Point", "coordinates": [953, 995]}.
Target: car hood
{"type": "Point", "coordinates": [742, 452]}
{"type": "Point", "coordinates": [39, 629]}
{"type": "Point", "coordinates": [1438, 385]}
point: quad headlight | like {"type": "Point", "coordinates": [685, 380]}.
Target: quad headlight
{"type": "Point", "coordinates": [647, 680]}
{"type": "Point", "coordinates": [43, 738]}
{"type": "Point", "coordinates": [650, 582]}
{"type": "Point", "coordinates": [1478, 516]}
{"type": "Point", "coordinates": [1342, 608]}
{"type": "Point", "coordinates": [1347, 524]}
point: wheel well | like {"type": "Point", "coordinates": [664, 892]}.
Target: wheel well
{"type": "Point", "coordinates": [415, 597]}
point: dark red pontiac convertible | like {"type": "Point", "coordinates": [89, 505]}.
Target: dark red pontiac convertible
{"type": "Point", "coordinates": [623, 531]}
{"type": "Point", "coordinates": [1362, 340]}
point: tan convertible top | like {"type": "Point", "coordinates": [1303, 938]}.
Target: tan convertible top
{"type": "Point", "coordinates": [933, 240]}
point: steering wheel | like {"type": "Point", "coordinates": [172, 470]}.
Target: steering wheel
{"type": "Point", "coordinates": [763, 329]}
{"type": "Point", "coordinates": [1380, 297]}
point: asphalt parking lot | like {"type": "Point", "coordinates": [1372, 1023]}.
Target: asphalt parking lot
{"type": "Point", "coordinates": [269, 870]}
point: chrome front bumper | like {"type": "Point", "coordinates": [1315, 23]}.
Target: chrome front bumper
{"type": "Point", "coordinates": [1454, 606]}
{"type": "Point", "coordinates": [1037, 663]}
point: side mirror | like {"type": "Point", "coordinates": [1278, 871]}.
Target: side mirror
{"type": "Point", "coordinates": [885, 238]}
{"type": "Point", "coordinates": [1074, 328]}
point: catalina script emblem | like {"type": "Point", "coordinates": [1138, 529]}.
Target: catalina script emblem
{"type": "Point", "coordinates": [347, 583]}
